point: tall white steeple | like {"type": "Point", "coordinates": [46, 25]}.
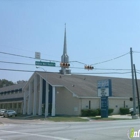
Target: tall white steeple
{"type": "Point", "coordinates": [65, 57]}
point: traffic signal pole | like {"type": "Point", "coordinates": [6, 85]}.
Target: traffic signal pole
{"type": "Point", "coordinates": [133, 84]}
{"type": "Point", "coordinates": [136, 81]}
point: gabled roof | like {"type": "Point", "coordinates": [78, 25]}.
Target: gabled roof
{"type": "Point", "coordinates": [86, 86]}
{"type": "Point", "coordinates": [12, 87]}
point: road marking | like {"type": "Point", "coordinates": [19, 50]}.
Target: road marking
{"type": "Point", "coordinates": [44, 136]}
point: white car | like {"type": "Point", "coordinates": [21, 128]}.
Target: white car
{"type": "Point", "coordinates": [9, 113]}
{"type": "Point", "coordinates": [2, 111]}
{"type": "Point", "coordinates": [131, 110]}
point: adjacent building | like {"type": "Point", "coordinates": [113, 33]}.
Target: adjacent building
{"type": "Point", "coordinates": [11, 97]}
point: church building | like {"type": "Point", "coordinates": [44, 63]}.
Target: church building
{"type": "Point", "coordinates": [62, 93]}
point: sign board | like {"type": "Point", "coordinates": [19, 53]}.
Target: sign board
{"type": "Point", "coordinates": [104, 88]}
{"type": "Point", "coordinates": [104, 107]}
{"type": "Point", "coordinates": [40, 63]}
{"type": "Point", "coordinates": [37, 55]}
{"type": "Point", "coordinates": [103, 92]}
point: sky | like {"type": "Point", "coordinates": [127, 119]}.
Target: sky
{"type": "Point", "coordinates": [97, 30]}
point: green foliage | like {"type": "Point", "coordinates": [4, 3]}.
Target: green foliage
{"type": "Point", "coordinates": [99, 110]}
{"type": "Point", "coordinates": [89, 112]}
{"type": "Point", "coordinates": [124, 111]}
{"type": "Point", "coordinates": [110, 110]}
{"type": "Point", "coordinates": [4, 82]}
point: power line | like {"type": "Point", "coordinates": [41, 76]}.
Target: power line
{"type": "Point", "coordinates": [16, 70]}
{"type": "Point", "coordinates": [136, 52]}
{"type": "Point", "coordinates": [72, 73]}
{"type": "Point", "coordinates": [110, 59]}
{"type": "Point", "coordinates": [17, 63]}
{"type": "Point", "coordinates": [78, 62]}
{"type": "Point", "coordinates": [105, 73]}
{"type": "Point", "coordinates": [110, 69]}
{"type": "Point", "coordinates": [59, 61]}
{"type": "Point", "coordinates": [27, 56]}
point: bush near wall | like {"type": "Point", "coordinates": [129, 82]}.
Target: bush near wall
{"type": "Point", "coordinates": [89, 112]}
{"type": "Point", "coordinates": [110, 110]}
{"type": "Point", "coordinates": [124, 111]}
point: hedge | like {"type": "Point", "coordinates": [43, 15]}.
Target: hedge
{"type": "Point", "coordinates": [110, 110]}
{"type": "Point", "coordinates": [124, 111]}
{"type": "Point", "coordinates": [92, 112]}
{"type": "Point", "coordinates": [89, 112]}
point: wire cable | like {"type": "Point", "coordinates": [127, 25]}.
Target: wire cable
{"type": "Point", "coordinates": [105, 73]}
{"type": "Point", "coordinates": [27, 57]}
{"type": "Point", "coordinates": [78, 62]}
{"type": "Point", "coordinates": [72, 73]}
{"type": "Point", "coordinates": [17, 63]}
{"type": "Point", "coordinates": [136, 51]}
{"type": "Point", "coordinates": [110, 59]}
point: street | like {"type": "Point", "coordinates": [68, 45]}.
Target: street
{"type": "Point", "coordinates": [14, 129]}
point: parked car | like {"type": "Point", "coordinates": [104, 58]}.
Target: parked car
{"type": "Point", "coordinates": [9, 113]}
{"type": "Point", "coordinates": [131, 110]}
{"type": "Point", "coordinates": [2, 111]}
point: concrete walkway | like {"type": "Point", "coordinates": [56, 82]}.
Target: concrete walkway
{"type": "Point", "coordinates": [121, 116]}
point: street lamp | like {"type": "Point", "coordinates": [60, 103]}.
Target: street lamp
{"type": "Point", "coordinates": [41, 68]}
{"type": "Point", "coordinates": [46, 106]}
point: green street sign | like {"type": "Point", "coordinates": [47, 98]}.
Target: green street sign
{"type": "Point", "coordinates": [40, 63]}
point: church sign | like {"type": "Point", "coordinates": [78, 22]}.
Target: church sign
{"type": "Point", "coordinates": [104, 90]}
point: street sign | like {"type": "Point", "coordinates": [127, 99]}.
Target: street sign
{"type": "Point", "coordinates": [40, 63]}
{"type": "Point", "coordinates": [37, 55]}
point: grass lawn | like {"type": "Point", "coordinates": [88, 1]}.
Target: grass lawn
{"type": "Point", "coordinates": [67, 119]}
{"type": "Point", "coordinates": [55, 119]}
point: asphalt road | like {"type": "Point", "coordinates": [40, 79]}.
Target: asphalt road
{"type": "Point", "coordinates": [43, 130]}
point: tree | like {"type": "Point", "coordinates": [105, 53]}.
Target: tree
{"type": "Point", "coordinates": [4, 82]}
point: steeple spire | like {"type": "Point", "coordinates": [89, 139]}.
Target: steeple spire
{"type": "Point", "coordinates": [65, 42]}
{"type": "Point", "coordinates": [65, 57]}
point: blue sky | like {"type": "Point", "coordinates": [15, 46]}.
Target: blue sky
{"type": "Point", "coordinates": [97, 30]}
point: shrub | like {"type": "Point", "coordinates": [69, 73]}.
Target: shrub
{"type": "Point", "coordinates": [84, 112]}
{"type": "Point", "coordinates": [110, 110]}
{"type": "Point", "coordinates": [89, 112]}
{"type": "Point", "coordinates": [99, 111]}
{"type": "Point", "coordinates": [124, 111]}
{"type": "Point", "coordinates": [94, 112]}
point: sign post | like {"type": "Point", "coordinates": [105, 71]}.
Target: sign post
{"type": "Point", "coordinates": [104, 90]}
{"type": "Point", "coordinates": [104, 107]}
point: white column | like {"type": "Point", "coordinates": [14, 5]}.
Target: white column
{"type": "Point", "coordinates": [29, 98]}
{"type": "Point", "coordinates": [35, 95]}
{"type": "Point", "coordinates": [53, 101]}
{"type": "Point", "coordinates": [40, 98]}
{"type": "Point", "coordinates": [46, 103]}
{"type": "Point", "coordinates": [24, 106]}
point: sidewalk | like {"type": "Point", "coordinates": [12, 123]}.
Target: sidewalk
{"type": "Point", "coordinates": [121, 116]}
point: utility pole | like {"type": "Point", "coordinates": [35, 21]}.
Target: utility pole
{"type": "Point", "coordinates": [133, 84]}
{"type": "Point", "coordinates": [136, 81]}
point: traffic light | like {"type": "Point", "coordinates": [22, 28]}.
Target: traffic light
{"type": "Point", "coordinates": [66, 65]}
{"type": "Point", "coordinates": [88, 67]}
{"type": "Point", "coordinates": [131, 99]}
